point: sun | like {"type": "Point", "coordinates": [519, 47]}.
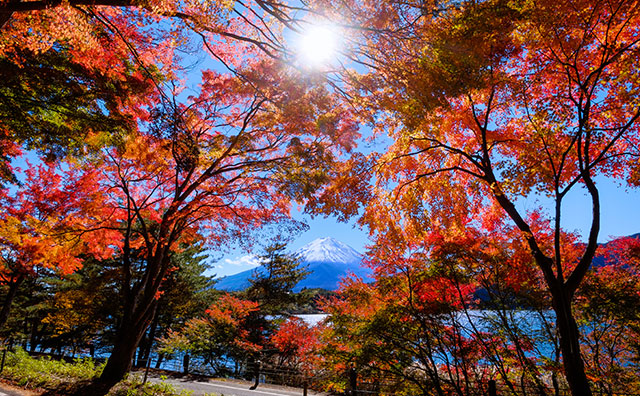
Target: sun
{"type": "Point", "coordinates": [318, 45]}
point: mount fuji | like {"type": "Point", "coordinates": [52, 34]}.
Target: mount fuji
{"type": "Point", "coordinates": [327, 260]}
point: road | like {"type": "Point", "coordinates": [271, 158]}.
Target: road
{"type": "Point", "coordinates": [231, 388]}
{"type": "Point", "coordinates": [6, 391]}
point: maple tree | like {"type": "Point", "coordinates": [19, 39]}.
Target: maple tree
{"type": "Point", "coordinates": [484, 102]}
{"type": "Point", "coordinates": [487, 102]}
{"type": "Point", "coordinates": [54, 105]}
{"type": "Point", "coordinates": [218, 167]}
{"type": "Point", "coordinates": [220, 334]}
{"type": "Point", "coordinates": [446, 313]}
{"type": "Point", "coordinates": [71, 20]}
{"type": "Point", "coordinates": [247, 327]}
{"type": "Point", "coordinates": [34, 230]}
{"type": "Point", "coordinates": [405, 331]}
{"type": "Point", "coordinates": [509, 317]}
{"type": "Point", "coordinates": [298, 345]}
{"type": "Point", "coordinates": [77, 75]}
{"type": "Point", "coordinates": [71, 91]}
{"type": "Point", "coordinates": [607, 311]}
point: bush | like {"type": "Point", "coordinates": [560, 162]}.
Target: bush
{"type": "Point", "coordinates": [133, 386]}
{"type": "Point", "coordinates": [33, 372]}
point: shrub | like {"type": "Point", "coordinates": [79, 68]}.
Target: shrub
{"type": "Point", "coordinates": [44, 372]}
{"type": "Point", "coordinates": [133, 386]}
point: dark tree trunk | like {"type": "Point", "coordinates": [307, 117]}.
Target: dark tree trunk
{"type": "Point", "coordinates": [160, 360]}
{"type": "Point", "coordinates": [144, 352]}
{"type": "Point", "coordinates": [33, 339]}
{"type": "Point", "coordinates": [570, 343]}
{"type": "Point", "coordinates": [124, 349]}
{"type": "Point", "coordinates": [134, 323]}
{"type": "Point", "coordinates": [14, 285]}
{"type": "Point", "coordinates": [561, 291]}
{"type": "Point", "coordinates": [138, 357]}
{"type": "Point", "coordinates": [353, 382]}
{"type": "Point", "coordinates": [140, 303]}
{"type": "Point", "coordinates": [185, 364]}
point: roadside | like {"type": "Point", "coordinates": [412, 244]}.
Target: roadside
{"type": "Point", "coordinates": [226, 387]}
{"type": "Point", "coordinates": [7, 389]}
{"type": "Point", "coordinates": [52, 377]}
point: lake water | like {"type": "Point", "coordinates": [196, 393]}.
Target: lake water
{"type": "Point", "coordinates": [527, 321]}
{"type": "Point", "coordinates": [312, 319]}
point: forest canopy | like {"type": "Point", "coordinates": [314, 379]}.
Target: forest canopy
{"type": "Point", "coordinates": [135, 137]}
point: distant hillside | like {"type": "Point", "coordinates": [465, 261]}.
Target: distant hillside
{"type": "Point", "coordinates": [599, 261]}
{"type": "Point", "coordinates": [327, 259]}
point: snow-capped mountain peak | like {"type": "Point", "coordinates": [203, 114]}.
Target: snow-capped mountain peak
{"type": "Point", "coordinates": [328, 261]}
{"type": "Point", "coordinates": [328, 250]}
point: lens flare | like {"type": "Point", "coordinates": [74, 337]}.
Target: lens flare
{"type": "Point", "coordinates": [318, 45]}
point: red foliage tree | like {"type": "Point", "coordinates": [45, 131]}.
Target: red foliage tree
{"type": "Point", "coordinates": [298, 345]}
{"type": "Point", "coordinates": [36, 230]}
{"type": "Point", "coordinates": [486, 102]}
{"type": "Point", "coordinates": [219, 167]}
{"type": "Point", "coordinates": [221, 334]}
{"type": "Point", "coordinates": [607, 307]}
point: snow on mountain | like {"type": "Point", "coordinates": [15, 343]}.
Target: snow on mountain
{"type": "Point", "coordinates": [327, 259]}
{"type": "Point", "coordinates": [328, 250]}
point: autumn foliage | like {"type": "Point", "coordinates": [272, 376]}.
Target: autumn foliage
{"type": "Point", "coordinates": [120, 152]}
{"type": "Point", "coordinates": [489, 102]}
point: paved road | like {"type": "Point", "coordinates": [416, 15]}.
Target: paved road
{"type": "Point", "coordinates": [231, 388]}
{"type": "Point", "coordinates": [7, 392]}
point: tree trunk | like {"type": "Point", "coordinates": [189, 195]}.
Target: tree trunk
{"type": "Point", "coordinates": [144, 352]}
{"type": "Point", "coordinates": [5, 16]}
{"type": "Point", "coordinates": [11, 295]}
{"type": "Point", "coordinates": [132, 328]}
{"type": "Point", "coordinates": [570, 344]}
{"type": "Point", "coordinates": [160, 360]}
{"type": "Point", "coordinates": [185, 364]}
{"type": "Point", "coordinates": [140, 304]}
{"type": "Point", "coordinates": [121, 358]}
{"type": "Point", "coordinates": [33, 339]}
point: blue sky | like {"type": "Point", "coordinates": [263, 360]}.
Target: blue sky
{"type": "Point", "coordinates": [238, 261]}
{"type": "Point", "coordinates": [620, 217]}
{"type": "Point", "coordinates": [620, 210]}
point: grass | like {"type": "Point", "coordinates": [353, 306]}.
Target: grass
{"type": "Point", "coordinates": [133, 386]}
{"type": "Point", "coordinates": [60, 377]}
{"type": "Point", "coordinates": [30, 372]}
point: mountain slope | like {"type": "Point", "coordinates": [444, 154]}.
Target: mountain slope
{"type": "Point", "coordinates": [599, 260]}
{"type": "Point", "coordinates": [327, 259]}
